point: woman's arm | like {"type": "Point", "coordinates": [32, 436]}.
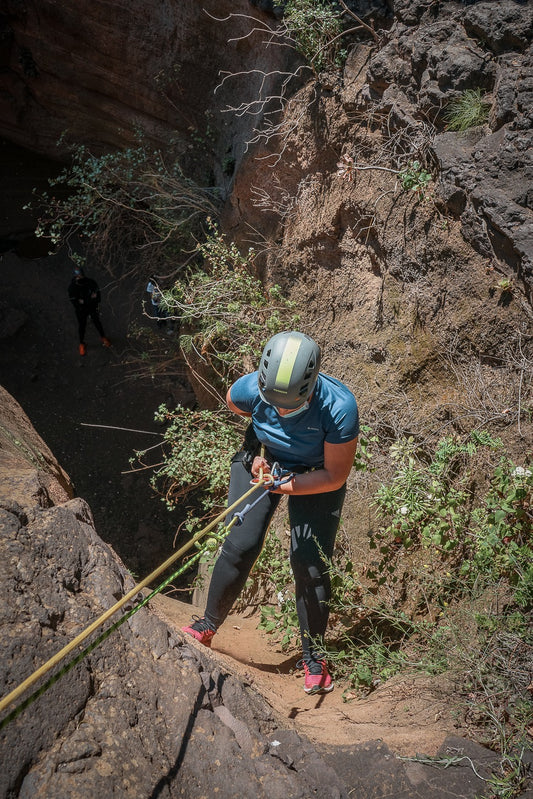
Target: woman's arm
{"type": "Point", "coordinates": [338, 461]}
{"type": "Point", "coordinates": [231, 405]}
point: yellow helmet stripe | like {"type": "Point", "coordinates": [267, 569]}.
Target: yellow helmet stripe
{"type": "Point", "coordinates": [286, 364]}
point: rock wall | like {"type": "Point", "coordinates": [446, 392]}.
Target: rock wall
{"type": "Point", "coordinates": [406, 290]}
{"type": "Point", "coordinates": [100, 71]}
{"type": "Point", "coordinates": [398, 88]}
{"type": "Point", "coordinates": [143, 715]}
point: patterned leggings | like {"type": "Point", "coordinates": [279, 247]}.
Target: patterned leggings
{"type": "Point", "coordinates": [314, 520]}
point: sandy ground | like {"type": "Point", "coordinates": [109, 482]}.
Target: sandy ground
{"type": "Point", "coordinates": [410, 715]}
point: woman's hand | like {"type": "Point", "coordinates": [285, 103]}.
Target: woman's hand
{"type": "Point", "coordinates": [260, 464]}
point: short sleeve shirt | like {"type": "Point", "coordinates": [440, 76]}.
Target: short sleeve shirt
{"type": "Point", "coordinates": [332, 416]}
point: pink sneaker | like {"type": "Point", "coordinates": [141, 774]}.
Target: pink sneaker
{"type": "Point", "coordinates": [317, 677]}
{"type": "Point", "coordinates": [200, 630]}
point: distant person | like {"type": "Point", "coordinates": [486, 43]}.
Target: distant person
{"type": "Point", "coordinates": [84, 295]}
{"type": "Point", "coordinates": [158, 312]}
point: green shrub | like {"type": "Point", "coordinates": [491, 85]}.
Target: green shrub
{"type": "Point", "coordinates": [123, 201]}
{"type": "Point", "coordinates": [427, 503]}
{"type": "Point", "coordinates": [365, 665]}
{"type": "Point", "coordinates": [271, 580]}
{"type": "Point", "coordinates": [502, 529]}
{"type": "Point", "coordinates": [198, 447]}
{"type": "Point", "coordinates": [314, 25]}
{"type": "Point", "coordinates": [226, 312]}
{"type": "Point", "coordinates": [414, 177]}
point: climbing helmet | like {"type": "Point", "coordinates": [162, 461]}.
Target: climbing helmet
{"type": "Point", "coordinates": [288, 369]}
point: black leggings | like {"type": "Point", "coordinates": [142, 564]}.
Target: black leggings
{"type": "Point", "coordinates": [82, 316]}
{"type": "Point", "coordinates": [314, 520]}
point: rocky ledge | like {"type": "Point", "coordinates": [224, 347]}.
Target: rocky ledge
{"type": "Point", "coordinates": [143, 715]}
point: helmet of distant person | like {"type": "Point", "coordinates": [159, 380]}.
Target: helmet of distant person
{"type": "Point", "coordinates": [288, 369]}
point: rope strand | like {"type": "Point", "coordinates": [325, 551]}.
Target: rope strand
{"type": "Point", "coordinates": [53, 661]}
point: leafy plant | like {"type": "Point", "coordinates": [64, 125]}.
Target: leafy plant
{"type": "Point", "coordinates": [315, 26]}
{"type": "Point", "coordinates": [365, 665]}
{"type": "Point", "coordinates": [502, 532]}
{"type": "Point", "coordinates": [505, 285]}
{"type": "Point", "coordinates": [282, 621]}
{"type": "Point", "coordinates": [414, 177]}
{"type": "Point", "coordinates": [198, 446]}
{"type": "Point", "coordinates": [122, 202]}
{"type": "Point", "coordinates": [428, 503]}
{"type": "Point", "coordinates": [225, 311]}
{"type": "Point", "coordinates": [469, 110]}
{"type": "Point", "coordinates": [272, 579]}
{"type": "Point", "coordinates": [484, 538]}
{"type": "Point", "coordinates": [364, 454]}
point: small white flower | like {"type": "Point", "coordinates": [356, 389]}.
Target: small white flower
{"type": "Point", "coordinates": [345, 167]}
{"type": "Point", "coordinates": [519, 471]}
{"type": "Point", "coordinates": [404, 510]}
{"type": "Point", "coordinates": [280, 598]}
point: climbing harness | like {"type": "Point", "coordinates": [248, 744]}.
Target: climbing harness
{"type": "Point", "coordinates": [11, 697]}
{"type": "Point", "coordinates": [275, 479]}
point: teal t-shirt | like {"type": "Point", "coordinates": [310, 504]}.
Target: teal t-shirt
{"type": "Point", "coordinates": [332, 416]}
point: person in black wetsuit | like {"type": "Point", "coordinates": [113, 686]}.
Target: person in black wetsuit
{"type": "Point", "coordinates": [84, 295]}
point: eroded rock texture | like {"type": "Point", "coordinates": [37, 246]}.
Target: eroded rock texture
{"type": "Point", "coordinates": [100, 72]}
{"type": "Point", "coordinates": [433, 53]}
{"type": "Point", "coordinates": [407, 288]}
{"type": "Point", "coordinates": [142, 715]}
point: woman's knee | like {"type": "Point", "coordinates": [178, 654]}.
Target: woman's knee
{"type": "Point", "coordinates": [237, 557]}
{"type": "Point", "coordinates": [309, 574]}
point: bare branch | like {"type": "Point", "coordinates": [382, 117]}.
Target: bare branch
{"type": "Point", "coordinates": [359, 20]}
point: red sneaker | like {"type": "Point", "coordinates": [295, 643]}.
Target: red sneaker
{"type": "Point", "coordinates": [317, 677]}
{"type": "Point", "coordinates": [82, 349]}
{"type": "Point", "coordinates": [105, 341]}
{"type": "Point", "coordinates": [200, 630]}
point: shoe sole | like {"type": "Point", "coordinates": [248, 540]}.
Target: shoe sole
{"type": "Point", "coordinates": [319, 690]}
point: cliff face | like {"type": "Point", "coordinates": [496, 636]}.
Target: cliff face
{"type": "Point", "coordinates": [421, 296]}
{"type": "Point", "coordinates": [142, 715]}
{"type": "Point", "coordinates": [99, 72]}
{"type": "Point", "coordinates": [391, 103]}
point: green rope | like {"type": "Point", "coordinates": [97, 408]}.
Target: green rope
{"type": "Point", "coordinates": [102, 637]}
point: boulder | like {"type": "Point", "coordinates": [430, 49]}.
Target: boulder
{"type": "Point", "coordinates": [502, 26]}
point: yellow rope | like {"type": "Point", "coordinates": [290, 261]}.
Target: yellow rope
{"type": "Point", "coordinates": [13, 695]}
